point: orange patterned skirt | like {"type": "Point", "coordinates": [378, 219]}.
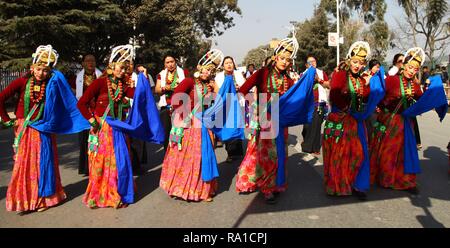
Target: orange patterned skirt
{"type": "Point", "coordinates": [22, 194]}
{"type": "Point", "coordinates": [386, 160]}
{"type": "Point", "coordinates": [103, 178]}
{"type": "Point", "coordinates": [181, 170]}
{"type": "Point", "coordinates": [342, 154]}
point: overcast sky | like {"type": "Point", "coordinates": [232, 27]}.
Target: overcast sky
{"type": "Point", "coordinates": [263, 20]}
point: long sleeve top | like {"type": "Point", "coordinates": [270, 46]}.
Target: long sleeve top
{"type": "Point", "coordinates": [98, 91]}
{"type": "Point", "coordinates": [393, 94]}
{"type": "Point", "coordinates": [259, 79]}
{"type": "Point", "coordinates": [17, 86]}
{"type": "Point", "coordinates": [340, 95]}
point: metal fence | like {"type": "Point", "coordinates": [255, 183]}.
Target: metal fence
{"type": "Point", "coordinates": [7, 76]}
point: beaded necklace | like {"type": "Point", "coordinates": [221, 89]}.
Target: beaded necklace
{"type": "Point", "coordinates": [173, 81]}
{"type": "Point", "coordinates": [117, 97]}
{"type": "Point", "coordinates": [36, 88]}
{"type": "Point", "coordinates": [356, 93]}
{"type": "Point", "coordinates": [279, 85]}
{"type": "Point", "coordinates": [408, 96]}
{"type": "Point", "coordinates": [29, 96]}
{"type": "Point", "coordinates": [87, 79]}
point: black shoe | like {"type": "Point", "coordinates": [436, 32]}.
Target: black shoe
{"type": "Point", "coordinates": [138, 172]}
{"type": "Point", "coordinates": [413, 191]}
{"type": "Point", "coordinates": [360, 195]}
{"type": "Point", "coordinates": [270, 199]}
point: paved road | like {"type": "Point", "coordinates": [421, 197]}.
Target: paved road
{"type": "Point", "coordinates": [304, 204]}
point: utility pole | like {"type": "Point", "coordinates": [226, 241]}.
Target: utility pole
{"type": "Point", "coordinates": [338, 4]}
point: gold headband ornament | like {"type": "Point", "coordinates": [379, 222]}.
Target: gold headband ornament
{"type": "Point", "coordinates": [414, 56]}
{"type": "Point", "coordinates": [359, 50]}
{"type": "Point", "coordinates": [46, 56]}
{"type": "Point", "coordinates": [210, 61]}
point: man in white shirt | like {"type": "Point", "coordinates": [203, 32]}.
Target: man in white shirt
{"type": "Point", "coordinates": [82, 81]}
{"type": "Point", "coordinates": [312, 132]}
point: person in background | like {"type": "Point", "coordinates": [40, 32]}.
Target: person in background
{"type": "Point", "coordinates": [81, 82]}
{"type": "Point", "coordinates": [397, 64]}
{"type": "Point", "coordinates": [425, 76]}
{"type": "Point", "coordinates": [233, 147]}
{"type": "Point", "coordinates": [166, 83]}
{"type": "Point", "coordinates": [250, 70]}
{"type": "Point", "coordinates": [312, 132]}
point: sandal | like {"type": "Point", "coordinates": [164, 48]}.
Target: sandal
{"type": "Point", "coordinates": [42, 209]}
{"type": "Point", "coordinates": [209, 199]}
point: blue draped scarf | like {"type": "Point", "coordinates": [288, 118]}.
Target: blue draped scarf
{"type": "Point", "coordinates": [295, 107]}
{"type": "Point", "coordinates": [377, 92]}
{"type": "Point", "coordinates": [142, 123]}
{"type": "Point", "coordinates": [60, 116]}
{"type": "Point", "coordinates": [433, 98]}
{"type": "Point", "coordinates": [229, 127]}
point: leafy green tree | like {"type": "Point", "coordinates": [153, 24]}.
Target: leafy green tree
{"type": "Point", "coordinates": [75, 27]}
{"type": "Point", "coordinates": [312, 37]}
{"type": "Point", "coordinates": [179, 27]}
{"type": "Point", "coordinates": [257, 56]}
{"type": "Point", "coordinates": [71, 27]}
{"type": "Point", "coordinates": [362, 19]}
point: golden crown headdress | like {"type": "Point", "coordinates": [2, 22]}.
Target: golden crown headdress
{"type": "Point", "coordinates": [287, 44]}
{"type": "Point", "coordinates": [121, 54]}
{"type": "Point", "coordinates": [45, 55]}
{"type": "Point", "coordinates": [360, 50]}
{"type": "Point", "coordinates": [414, 55]}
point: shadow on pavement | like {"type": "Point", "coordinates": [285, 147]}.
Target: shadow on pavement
{"type": "Point", "coordinates": [149, 181]}
{"type": "Point", "coordinates": [306, 191]}
{"type": "Point", "coordinates": [3, 190]}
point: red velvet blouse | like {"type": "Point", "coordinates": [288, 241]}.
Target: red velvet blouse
{"type": "Point", "coordinates": [98, 91]}
{"type": "Point", "coordinates": [259, 79]}
{"type": "Point", "coordinates": [17, 86]}
{"type": "Point", "coordinates": [340, 95]}
{"type": "Point", "coordinates": [393, 94]}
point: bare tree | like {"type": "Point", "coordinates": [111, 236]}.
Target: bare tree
{"type": "Point", "coordinates": [425, 24]}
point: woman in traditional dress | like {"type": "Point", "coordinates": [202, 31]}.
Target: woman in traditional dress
{"type": "Point", "coordinates": [44, 95]}
{"type": "Point", "coordinates": [391, 166]}
{"type": "Point", "coordinates": [260, 164]}
{"type": "Point", "coordinates": [109, 92]}
{"type": "Point", "coordinates": [344, 152]}
{"type": "Point", "coordinates": [183, 168]}
{"type": "Point", "coordinates": [233, 147]}
{"type": "Point", "coordinates": [166, 82]}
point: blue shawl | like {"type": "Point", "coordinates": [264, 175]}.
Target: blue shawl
{"type": "Point", "coordinates": [60, 116]}
{"type": "Point", "coordinates": [143, 123]}
{"type": "Point", "coordinates": [434, 97]}
{"type": "Point", "coordinates": [225, 120]}
{"type": "Point", "coordinates": [295, 107]}
{"type": "Point", "coordinates": [377, 91]}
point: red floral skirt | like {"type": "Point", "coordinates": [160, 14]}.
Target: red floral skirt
{"type": "Point", "coordinates": [386, 159]}
{"type": "Point", "coordinates": [342, 154]}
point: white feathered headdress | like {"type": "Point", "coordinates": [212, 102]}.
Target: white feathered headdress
{"type": "Point", "coordinates": [122, 54]}
{"type": "Point", "coordinates": [359, 49]}
{"type": "Point", "coordinates": [287, 44]}
{"type": "Point", "coordinates": [45, 55]}
{"type": "Point", "coordinates": [415, 53]}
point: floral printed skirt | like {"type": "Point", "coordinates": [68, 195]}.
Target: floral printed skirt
{"type": "Point", "coordinates": [386, 161]}
{"type": "Point", "coordinates": [22, 194]}
{"type": "Point", "coordinates": [181, 170]}
{"type": "Point", "coordinates": [342, 153]}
